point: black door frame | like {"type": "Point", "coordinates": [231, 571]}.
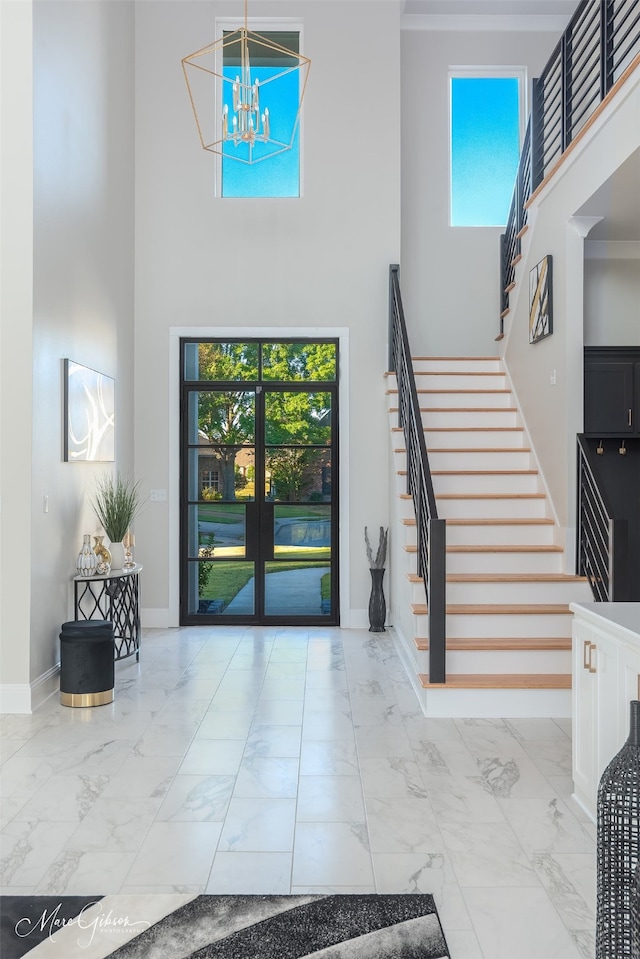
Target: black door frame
{"type": "Point", "coordinates": [259, 534]}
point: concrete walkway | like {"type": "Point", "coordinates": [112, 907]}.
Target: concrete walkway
{"type": "Point", "coordinates": [294, 592]}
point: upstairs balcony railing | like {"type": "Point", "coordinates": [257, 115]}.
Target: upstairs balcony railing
{"type": "Point", "coordinates": [431, 531]}
{"type": "Point", "coordinates": [603, 540]}
{"type": "Point", "coordinates": [599, 47]}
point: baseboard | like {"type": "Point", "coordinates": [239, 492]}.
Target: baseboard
{"type": "Point", "coordinates": [15, 698]}
{"type": "Point", "coordinates": [154, 618]}
{"type": "Point", "coordinates": [26, 697]}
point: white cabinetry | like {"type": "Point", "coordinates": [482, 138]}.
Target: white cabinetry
{"type": "Point", "coordinates": [606, 677]}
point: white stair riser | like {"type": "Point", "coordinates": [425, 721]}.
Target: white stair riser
{"type": "Point", "coordinates": [482, 535]}
{"type": "Point", "coordinates": [470, 439]}
{"type": "Point", "coordinates": [555, 592]}
{"type": "Point", "coordinates": [512, 508]}
{"type": "Point", "coordinates": [486, 483]}
{"type": "Point", "coordinates": [461, 418]}
{"type": "Point", "coordinates": [503, 661]}
{"type": "Point", "coordinates": [477, 398]}
{"type": "Point", "coordinates": [494, 703]}
{"type": "Point", "coordinates": [501, 625]}
{"type": "Point", "coordinates": [504, 562]}
{"type": "Point", "coordinates": [461, 459]}
{"type": "Point", "coordinates": [471, 365]}
{"type": "Point", "coordinates": [461, 381]}
{"type": "Point", "coordinates": [507, 535]}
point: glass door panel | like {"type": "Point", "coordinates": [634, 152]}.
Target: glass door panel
{"type": "Point", "coordinates": [302, 532]}
{"type": "Point", "coordinates": [297, 589]}
{"type": "Point", "coordinates": [221, 588]}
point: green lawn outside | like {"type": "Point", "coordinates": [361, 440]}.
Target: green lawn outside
{"type": "Point", "coordinates": [231, 577]}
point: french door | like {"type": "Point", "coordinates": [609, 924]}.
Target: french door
{"type": "Point", "coordinates": [259, 503]}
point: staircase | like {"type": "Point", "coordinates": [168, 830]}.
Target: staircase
{"type": "Point", "coordinates": [508, 617]}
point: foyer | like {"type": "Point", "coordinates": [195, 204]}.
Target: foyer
{"type": "Point", "coordinates": [298, 760]}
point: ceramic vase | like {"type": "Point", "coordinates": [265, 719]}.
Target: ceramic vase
{"type": "Point", "coordinates": [87, 559]}
{"type": "Point", "coordinates": [117, 556]}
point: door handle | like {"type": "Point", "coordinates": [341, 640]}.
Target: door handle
{"type": "Point", "coordinates": [630, 418]}
{"type": "Point", "coordinates": [591, 667]}
{"type": "Point", "coordinates": [585, 661]}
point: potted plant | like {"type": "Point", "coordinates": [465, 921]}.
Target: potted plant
{"type": "Point", "coordinates": [377, 605]}
{"type": "Point", "coordinates": [116, 502]}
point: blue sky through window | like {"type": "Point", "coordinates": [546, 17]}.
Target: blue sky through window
{"type": "Point", "coordinates": [277, 176]}
{"type": "Point", "coordinates": [485, 148]}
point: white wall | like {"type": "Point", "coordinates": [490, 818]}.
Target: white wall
{"type": "Point", "coordinates": [317, 262]}
{"type": "Point", "coordinates": [82, 278]}
{"type": "Point", "coordinates": [554, 413]}
{"type": "Point", "coordinates": [611, 300]}
{"type": "Point", "coordinates": [450, 275]}
{"type": "Point", "coordinates": [16, 224]}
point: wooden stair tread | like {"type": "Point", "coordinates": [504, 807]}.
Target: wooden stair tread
{"type": "Point", "coordinates": [508, 548]}
{"type": "Point", "coordinates": [460, 409]}
{"type": "Point", "coordinates": [500, 643]}
{"type": "Point", "coordinates": [500, 681]}
{"type": "Point", "coordinates": [498, 609]}
{"type": "Point", "coordinates": [522, 232]}
{"type": "Point", "coordinates": [511, 286]}
{"type": "Point", "coordinates": [505, 313]}
{"type": "Point", "coordinates": [516, 259]}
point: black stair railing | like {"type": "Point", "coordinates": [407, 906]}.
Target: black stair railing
{"type": "Point", "coordinates": [602, 549]}
{"type": "Point", "coordinates": [600, 43]}
{"type": "Point", "coordinates": [431, 531]}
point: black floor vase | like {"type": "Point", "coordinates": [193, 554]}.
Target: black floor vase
{"type": "Point", "coordinates": [377, 604]}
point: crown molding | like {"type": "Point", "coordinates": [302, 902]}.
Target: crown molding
{"type": "Point", "coordinates": [513, 23]}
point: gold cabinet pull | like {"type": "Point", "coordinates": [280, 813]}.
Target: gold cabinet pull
{"type": "Point", "coordinates": [585, 661]}
{"type": "Point", "coordinates": [591, 667]}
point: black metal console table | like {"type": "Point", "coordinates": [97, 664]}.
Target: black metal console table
{"type": "Point", "coordinates": [116, 597]}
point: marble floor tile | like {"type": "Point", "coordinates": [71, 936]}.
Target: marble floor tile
{"type": "Point", "coordinates": [322, 724]}
{"type": "Point", "coordinates": [487, 854]}
{"type": "Point", "coordinates": [175, 853]}
{"type": "Point", "coordinates": [177, 713]}
{"type": "Point", "coordinates": [332, 854]}
{"type": "Point", "coordinates": [161, 740]}
{"type": "Point", "coordinates": [543, 825]}
{"type": "Point", "coordinates": [250, 873]}
{"type": "Point", "coordinates": [270, 778]}
{"type": "Point", "coordinates": [282, 689]}
{"type": "Point", "coordinates": [8, 748]}
{"type": "Point", "coordinates": [143, 777]}
{"type": "Point", "coordinates": [379, 742]}
{"type": "Point", "coordinates": [402, 825]}
{"type": "Point", "coordinates": [520, 922]}
{"type": "Point", "coordinates": [224, 724]}
{"type": "Point", "coordinates": [332, 679]}
{"type": "Point", "coordinates": [213, 757]}
{"type": "Point", "coordinates": [29, 847]}
{"type": "Point", "coordinates": [9, 807]}
{"type": "Point", "coordinates": [64, 798]}
{"type": "Point", "coordinates": [537, 729]}
{"type": "Point", "coordinates": [74, 873]}
{"type": "Point", "coordinates": [115, 826]}
{"type": "Point", "coordinates": [570, 881]}
{"type": "Point", "coordinates": [552, 757]}
{"type": "Point", "coordinates": [327, 700]}
{"type": "Point", "coordinates": [23, 776]}
{"type": "Point", "coordinates": [463, 944]}
{"type": "Point", "coordinates": [285, 670]}
{"type": "Point", "coordinates": [259, 825]}
{"type": "Point", "coordinates": [273, 741]}
{"type": "Point", "coordinates": [329, 758]}
{"type": "Point", "coordinates": [271, 712]}
{"type": "Point", "coordinates": [197, 799]}
{"type": "Point", "coordinates": [374, 713]}
{"type": "Point", "coordinates": [330, 799]}
{"type": "Point", "coordinates": [410, 872]}
{"type": "Point", "coordinates": [191, 689]}
{"type": "Point", "coordinates": [390, 777]}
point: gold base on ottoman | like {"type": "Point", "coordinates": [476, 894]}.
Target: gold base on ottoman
{"type": "Point", "coordinates": [87, 699]}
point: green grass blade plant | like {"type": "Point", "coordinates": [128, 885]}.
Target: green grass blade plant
{"type": "Point", "coordinates": [116, 502]}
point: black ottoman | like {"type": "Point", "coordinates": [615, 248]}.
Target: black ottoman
{"type": "Point", "coordinates": [87, 670]}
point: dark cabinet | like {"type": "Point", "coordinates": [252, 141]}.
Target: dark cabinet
{"type": "Point", "coordinates": [612, 391]}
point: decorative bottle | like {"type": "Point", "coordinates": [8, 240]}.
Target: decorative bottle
{"type": "Point", "coordinates": [103, 555]}
{"type": "Point", "coordinates": [618, 850]}
{"type": "Point", "coordinates": [87, 559]}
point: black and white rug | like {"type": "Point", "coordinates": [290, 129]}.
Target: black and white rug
{"type": "Point", "coordinates": [221, 927]}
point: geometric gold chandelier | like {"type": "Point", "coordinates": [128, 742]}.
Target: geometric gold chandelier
{"type": "Point", "coordinates": [246, 92]}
